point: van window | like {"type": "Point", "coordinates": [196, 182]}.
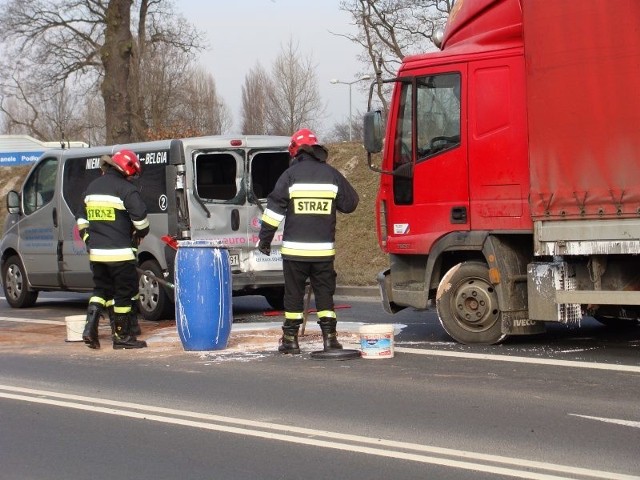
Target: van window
{"type": "Point", "coordinates": [40, 186]}
{"type": "Point", "coordinates": [266, 168]}
{"type": "Point", "coordinates": [152, 182]}
{"type": "Point", "coordinates": [77, 174]}
{"type": "Point", "coordinates": [216, 176]}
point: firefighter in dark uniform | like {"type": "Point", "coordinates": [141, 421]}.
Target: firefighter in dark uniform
{"type": "Point", "coordinates": [307, 196]}
{"type": "Point", "coordinates": [112, 222]}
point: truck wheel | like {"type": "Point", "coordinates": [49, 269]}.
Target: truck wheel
{"type": "Point", "coordinates": [154, 303]}
{"type": "Point", "coordinates": [467, 305]}
{"type": "Point", "coordinates": [15, 285]}
{"type": "Point", "coordinates": [275, 298]}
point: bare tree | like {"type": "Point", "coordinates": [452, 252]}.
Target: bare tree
{"type": "Point", "coordinates": [94, 132]}
{"type": "Point", "coordinates": [116, 55]}
{"type": "Point", "coordinates": [341, 132]}
{"type": "Point", "coordinates": [294, 101]}
{"type": "Point", "coordinates": [255, 93]}
{"type": "Point", "coordinates": [388, 30]}
{"type": "Point", "coordinates": [89, 43]}
{"type": "Point", "coordinates": [180, 99]}
{"type": "Point", "coordinates": [46, 114]}
{"type": "Point", "coordinates": [164, 79]}
{"type": "Point", "coordinates": [202, 108]}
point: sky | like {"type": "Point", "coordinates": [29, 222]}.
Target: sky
{"type": "Point", "coordinates": [241, 33]}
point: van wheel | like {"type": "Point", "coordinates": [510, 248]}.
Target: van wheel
{"type": "Point", "coordinates": [467, 305]}
{"type": "Point", "coordinates": [15, 285]}
{"type": "Point", "coordinates": [154, 302]}
{"type": "Point", "coordinates": [275, 298]}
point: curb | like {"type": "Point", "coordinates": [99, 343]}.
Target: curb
{"type": "Point", "coordinates": [357, 291]}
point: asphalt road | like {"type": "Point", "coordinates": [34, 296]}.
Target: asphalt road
{"type": "Point", "coordinates": [559, 405]}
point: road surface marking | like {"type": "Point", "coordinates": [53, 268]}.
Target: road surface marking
{"type": "Point", "coordinates": [515, 359]}
{"type": "Point", "coordinates": [617, 421]}
{"type": "Point", "coordinates": [514, 467]}
{"type": "Point", "coordinates": [31, 320]}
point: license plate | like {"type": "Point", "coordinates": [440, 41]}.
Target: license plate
{"type": "Point", "coordinates": [234, 260]}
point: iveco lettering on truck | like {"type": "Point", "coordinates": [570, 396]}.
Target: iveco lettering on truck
{"type": "Point", "coordinates": [194, 188]}
{"type": "Point", "coordinates": [509, 193]}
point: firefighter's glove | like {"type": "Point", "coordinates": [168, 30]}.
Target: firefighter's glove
{"type": "Point", "coordinates": [135, 240]}
{"type": "Point", "coordinates": [264, 247]}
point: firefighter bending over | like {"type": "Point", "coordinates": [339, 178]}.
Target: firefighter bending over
{"type": "Point", "coordinates": [113, 209]}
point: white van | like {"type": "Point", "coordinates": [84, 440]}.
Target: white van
{"type": "Point", "coordinates": [195, 188]}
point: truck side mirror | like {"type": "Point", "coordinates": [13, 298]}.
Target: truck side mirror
{"type": "Point", "coordinates": [13, 202]}
{"type": "Point", "coordinates": [373, 131]}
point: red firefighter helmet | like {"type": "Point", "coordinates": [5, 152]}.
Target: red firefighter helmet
{"type": "Point", "coordinates": [302, 137]}
{"type": "Point", "coordinates": [126, 162]}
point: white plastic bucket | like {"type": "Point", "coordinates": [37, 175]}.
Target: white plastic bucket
{"type": "Point", "coordinates": [75, 327]}
{"type": "Point", "coordinates": [376, 341]}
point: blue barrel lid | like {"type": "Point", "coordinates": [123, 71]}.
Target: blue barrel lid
{"type": "Point", "coordinates": [201, 243]}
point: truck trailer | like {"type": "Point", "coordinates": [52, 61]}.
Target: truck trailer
{"type": "Point", "coordinates": [509, 194]}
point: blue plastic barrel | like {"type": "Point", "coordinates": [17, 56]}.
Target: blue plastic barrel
{"type": "Point", "coordinates": [203, 295]}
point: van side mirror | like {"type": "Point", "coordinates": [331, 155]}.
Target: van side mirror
{"type": "Point", "coordinates": [373, 131]}
{"type": "Point", "coordinates": [13, 202]}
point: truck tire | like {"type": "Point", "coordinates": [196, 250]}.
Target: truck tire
{"type": "Point", "coordinates": [467, 305]}
{"type": "Point", "coordinates": [154, 303]}
{"type": "Point", "coordinates": [15, 284]}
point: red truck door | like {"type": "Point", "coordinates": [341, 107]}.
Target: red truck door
{"type": "Point", "coordinates": [429, 193]}
{"type": "Point", "coordinates": [498, 162]}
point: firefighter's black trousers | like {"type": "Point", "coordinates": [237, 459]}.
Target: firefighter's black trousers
{"type": "Point", "coordinates": [117, 281]}
{"type": "Point", "coordinates": [322, 277]}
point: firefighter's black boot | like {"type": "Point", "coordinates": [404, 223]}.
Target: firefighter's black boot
{"type": "Point", "coordinates": [90, 333]}
{"type": "Point", "coordinates": [122, 338]}
{"type": "Point", "coordinates": [112, 319]}
{"type": "Point", "coordinates": [134, 325]}
{"type": "Point", "coordinates": [289, 340]}
{"type": "Point", "coordinates": [329, 335]}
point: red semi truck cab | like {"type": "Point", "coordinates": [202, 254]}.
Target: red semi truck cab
{"type": "Point", "coordinates": [510, 172]}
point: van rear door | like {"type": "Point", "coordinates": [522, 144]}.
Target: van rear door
{"type": "Point", "coordinates": [217, 211]}
{"type": "Point", "coordinates": [231, 192]}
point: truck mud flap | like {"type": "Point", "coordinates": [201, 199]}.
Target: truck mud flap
{"type": "Point", "coordinates": [517, 323]}
{"type": "Point", "coordinates": [385, 288]}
